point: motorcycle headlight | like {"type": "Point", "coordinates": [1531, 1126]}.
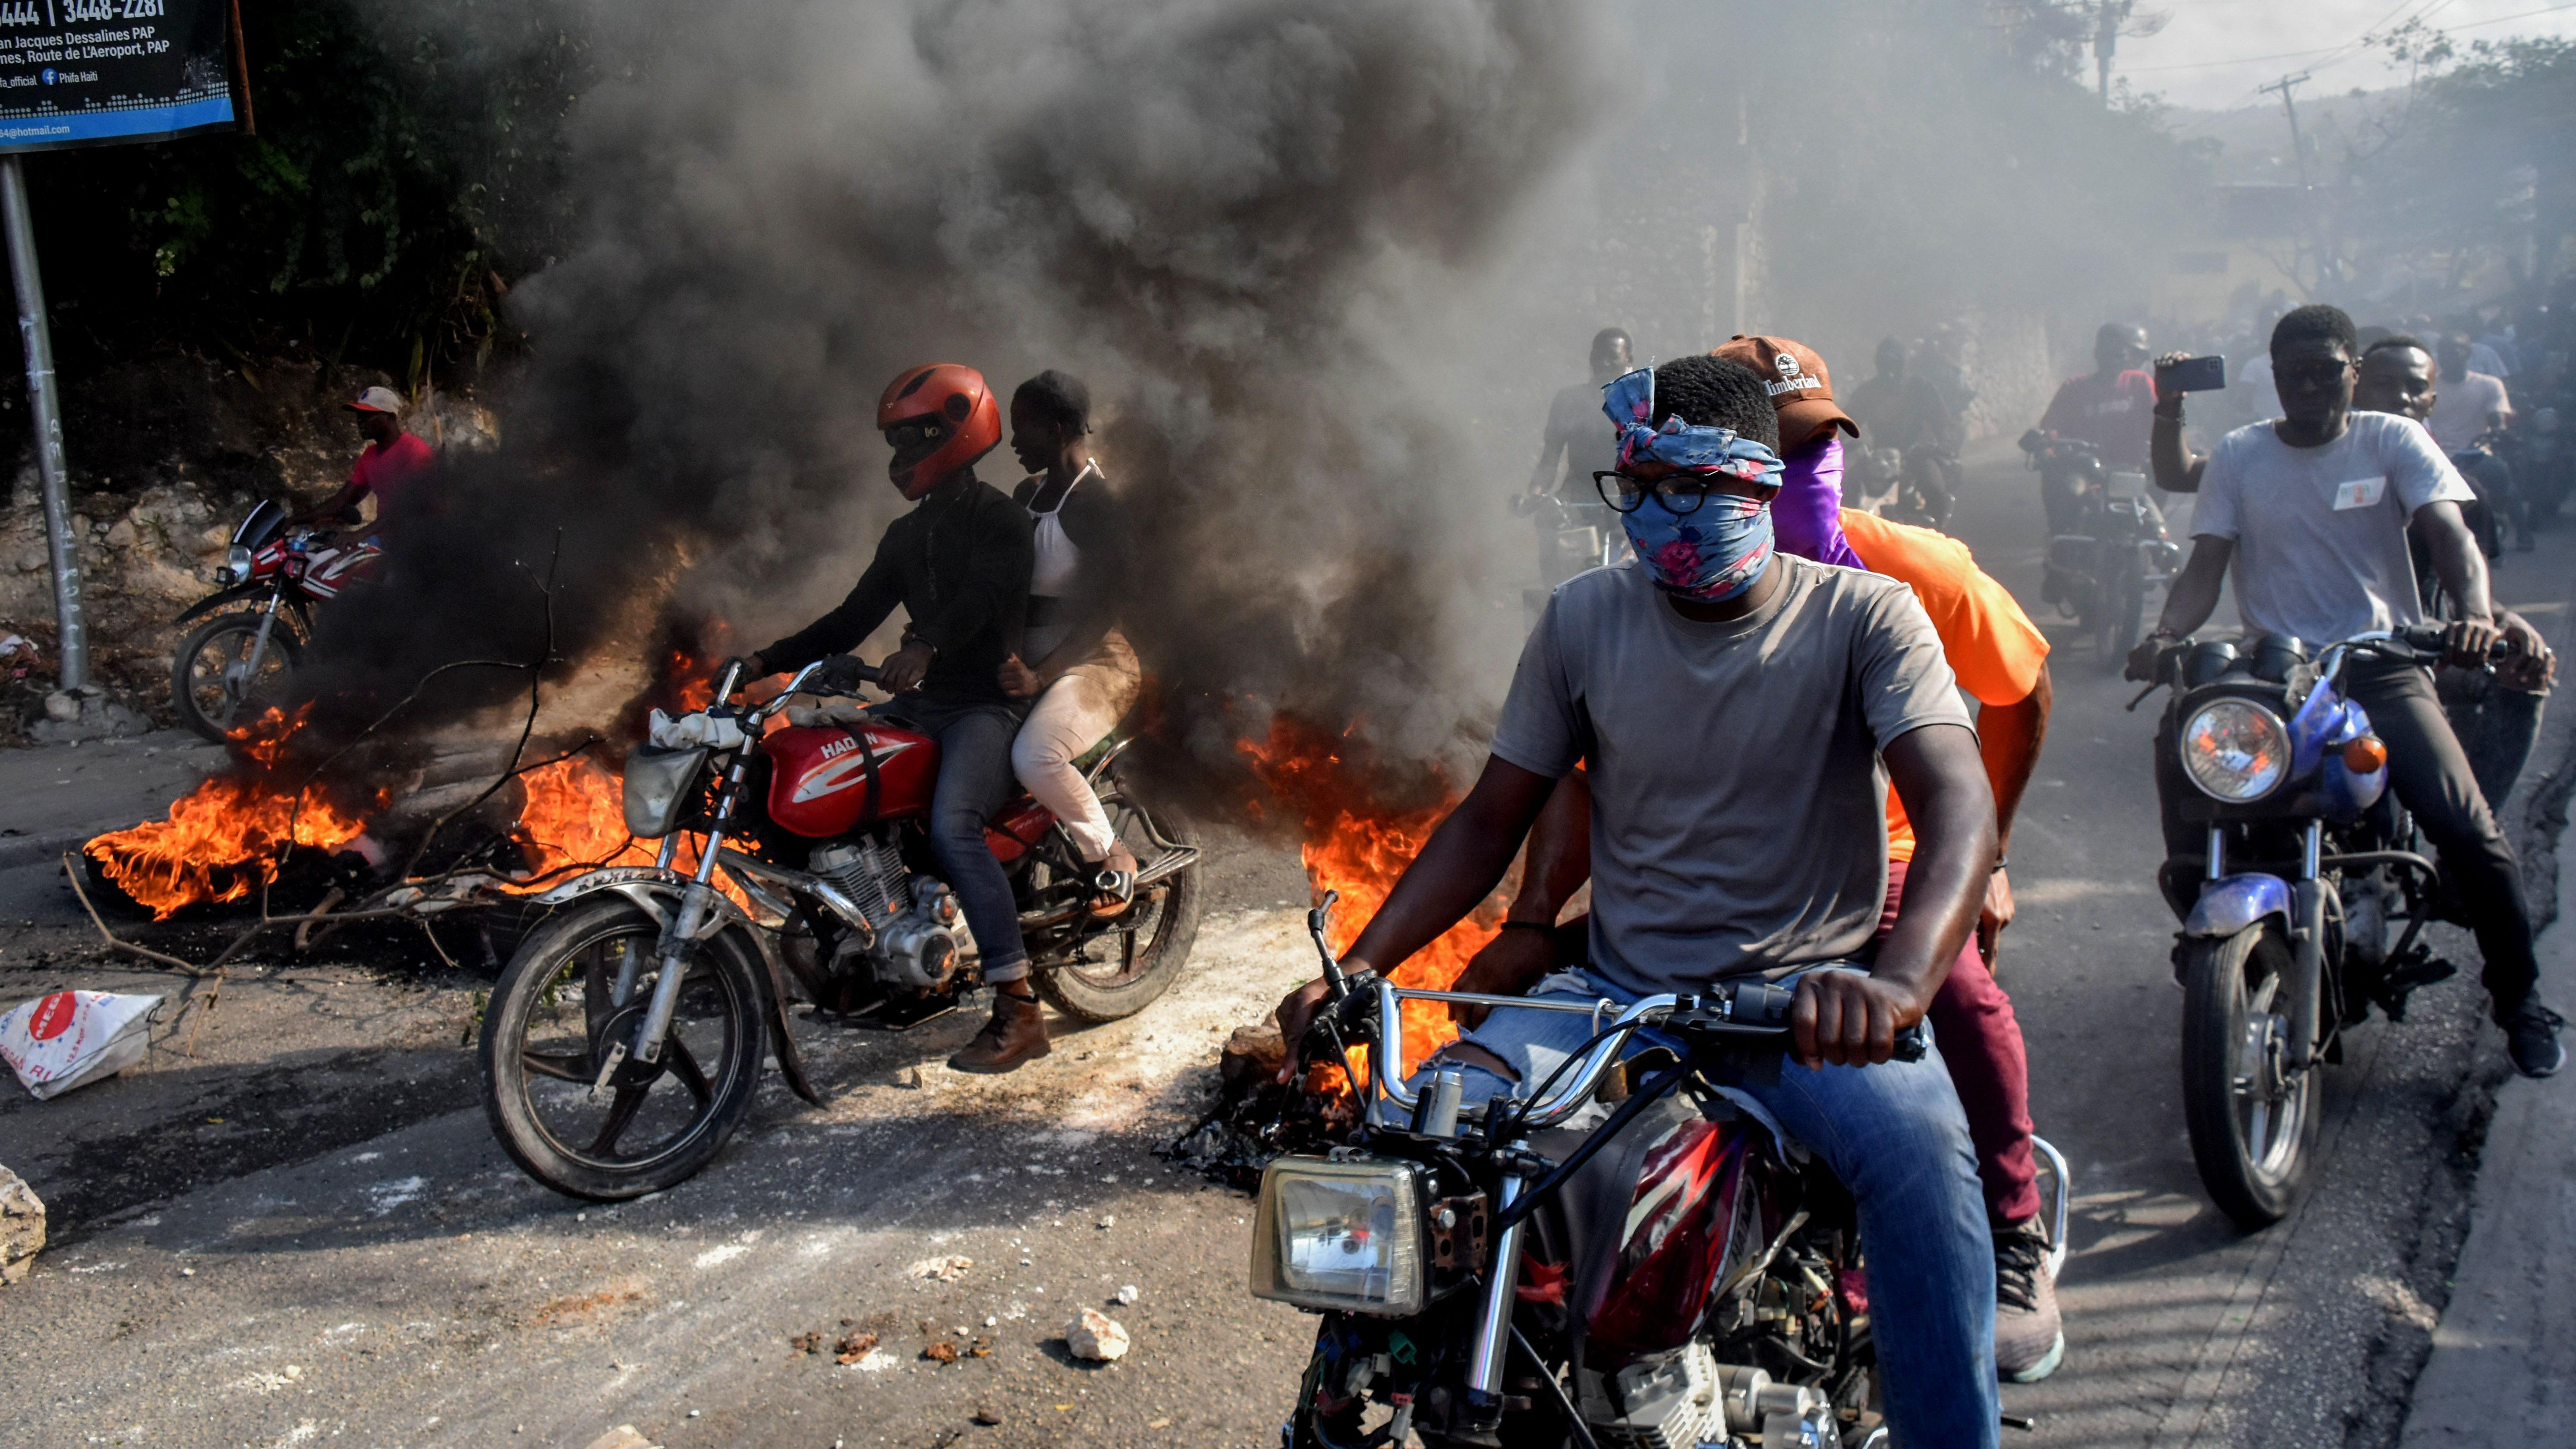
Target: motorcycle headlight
{"type": "Point", "coordinates": [235, 568]}
{"type": "Point", "coordinates": [1340, 1235]}
{"type": "Point", "coordinates": [2236, 750]}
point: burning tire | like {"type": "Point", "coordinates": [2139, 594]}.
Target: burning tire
{"type": "Point", "coordinates": [1120, 971]}
{"type": "Point", "coordinates": [225, 674]}
{"type": "Point", "coordinates": [557, 1016]}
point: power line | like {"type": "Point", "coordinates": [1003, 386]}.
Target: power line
{"type": "Point", "coordinates": [2343, 51]}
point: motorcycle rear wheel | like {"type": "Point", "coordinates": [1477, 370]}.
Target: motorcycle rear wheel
{"type": "Point", "coordinates": [2253, 1124]}
{"type": "Point", "coordinates": [1145, 950]}
{"type": "Point", "coordinates": [552, 1018]}
{"type": "Point", "coordinates": [210, 689]}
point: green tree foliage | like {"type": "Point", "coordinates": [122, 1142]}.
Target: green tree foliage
{"type": "Point", "coordinates": [2482, 155]}
{"type": "Point", "coordinates": [402, 173]}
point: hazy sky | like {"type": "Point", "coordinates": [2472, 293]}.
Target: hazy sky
{"type": "Point", "coordinates": [2215, 52]}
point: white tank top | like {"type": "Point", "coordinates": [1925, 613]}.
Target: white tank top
{"type": "Point", "coordinates": [1057, 558]}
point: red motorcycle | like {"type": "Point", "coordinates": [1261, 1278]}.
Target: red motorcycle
{"type": "Point", "coordinates": [623, 1043]}
{"type": "Point", "coordinates": [241, 662]}
{"type": "Point", "coordinates": [1680, 1275]}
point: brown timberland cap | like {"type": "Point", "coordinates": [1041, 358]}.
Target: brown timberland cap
{"type": "Point", "coordinates": [1802, 392]}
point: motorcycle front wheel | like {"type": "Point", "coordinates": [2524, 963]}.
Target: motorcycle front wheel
{"type": "Point", "coordinates": [553, 1020]}
{"type": "Point", "coordinates": [2123, 600]}
{"type": "Point", "coordinates": [222, 677]}
{"type": "Point", "coordinates": [2253, 1121]}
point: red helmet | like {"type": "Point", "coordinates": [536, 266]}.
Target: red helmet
{"type": "Point", "coordinates": [952, 407]}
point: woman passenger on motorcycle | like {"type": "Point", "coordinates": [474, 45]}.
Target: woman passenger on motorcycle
{"type": "Point", "coordinates": [1084, 677]}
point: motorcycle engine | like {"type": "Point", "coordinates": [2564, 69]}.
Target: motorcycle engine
{"type": "Point", "coordinates": [1686, 1398]}
{"type": "Point", "coordinates": [918, 934]}
{"type": "Point", "coordinates": [920, 949]}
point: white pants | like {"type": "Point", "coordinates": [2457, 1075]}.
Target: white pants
{"type": "Point", "coordinates": [1075, 713]}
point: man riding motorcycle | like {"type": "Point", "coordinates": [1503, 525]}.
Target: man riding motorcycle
{"type": "Point", "coordinates": [2311, 511]}
{"type": "Point", "coordinates": [2494, 711]}
{"type": "Point", "coordinates": [1905, 411]}
{"type": "Point", "coordinates": [1569, 454]}
{"type": "Point", "coordinates": [2107, 408]}
{"type": "Point", "coordinates": [959, 565]}
{"type": "Point", "coordinates": [2000, 657]}
{"type": "Point", "coordinates": [393, 466]}
{"type": "Point", "coordinates": [1732, 705]}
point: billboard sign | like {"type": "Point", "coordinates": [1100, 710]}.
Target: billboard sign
{"type": "Point", "coordinates": [100, 72]}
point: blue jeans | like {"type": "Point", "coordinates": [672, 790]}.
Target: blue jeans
{"type": "Point", "coordinates": [1896, 1136]}
{"type": "Point", "coordinates": [975, 781]}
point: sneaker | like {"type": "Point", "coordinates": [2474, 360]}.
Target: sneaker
{"type": "Point", "coordinates": [2531, 1039]}
{"type": "Point", "coordinates": [2030, 1340]}
{"type": "Point", "coordinates": [1016, 1033]}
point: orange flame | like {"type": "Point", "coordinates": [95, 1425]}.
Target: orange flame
{"type": "Point", "coordinates": [1355, 846]}
{"type": "Point", "coordinates": [576, 817]}
{"type": "Point", "coordinates": [227, 836]}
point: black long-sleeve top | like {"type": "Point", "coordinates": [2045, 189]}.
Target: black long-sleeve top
{"type": "Point", "coordinates": [959, 564]}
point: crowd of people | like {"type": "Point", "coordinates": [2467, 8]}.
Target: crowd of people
{"type": "Point", "coordinates": [1708, 734]}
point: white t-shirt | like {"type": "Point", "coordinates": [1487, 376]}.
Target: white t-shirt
{"type": "Point", "coordinates": [2321, 532]}
{"type": "Point", "coordinates": [2461, 409]}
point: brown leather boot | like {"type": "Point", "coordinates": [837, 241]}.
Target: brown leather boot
{"type": "Point", "coordinates": [1016, 1033]}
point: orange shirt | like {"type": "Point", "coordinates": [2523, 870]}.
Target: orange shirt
{"type": "Point", "coordinates": [1992, 646]}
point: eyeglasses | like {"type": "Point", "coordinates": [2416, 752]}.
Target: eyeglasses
{"type": "Point", "coordinates": [2314, 374]}
{"type": "Point", "coordinates": [1680, 492]}
{"type": "Point", "coordinates": [907, 436]}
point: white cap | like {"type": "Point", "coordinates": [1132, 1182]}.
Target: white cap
{"type": "Point", "coordinates": [378, 400]}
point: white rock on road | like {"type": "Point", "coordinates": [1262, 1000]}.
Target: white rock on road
{"type": "Point", "coordinates": [22, 1226]}
{"type": "Point", "coordinates": [1095, 1335]}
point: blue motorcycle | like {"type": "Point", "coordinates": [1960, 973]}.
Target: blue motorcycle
{"type": "Point", "coordinates": [2307, 864]}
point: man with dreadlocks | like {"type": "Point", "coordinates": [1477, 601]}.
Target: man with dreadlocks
{"type": "Point", "coordinates": [1732, 705]}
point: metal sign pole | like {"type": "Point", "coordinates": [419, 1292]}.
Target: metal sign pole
{"type": "Point", "coordinates": [46, 405]}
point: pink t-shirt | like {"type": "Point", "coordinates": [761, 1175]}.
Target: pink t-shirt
{"type": "Point", "coordinates": [389, 472]}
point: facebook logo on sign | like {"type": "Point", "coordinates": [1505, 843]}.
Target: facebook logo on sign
{"type": "Point", "coordinates": [49, 75]}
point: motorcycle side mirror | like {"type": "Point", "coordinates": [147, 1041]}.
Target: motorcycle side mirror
{"type": "Point", "coordinates": [1318, 921]}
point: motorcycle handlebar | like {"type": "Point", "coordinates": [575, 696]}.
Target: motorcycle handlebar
{"type": "Point", "coordinates": [2415, 644]}
{"type": "Point", "coordinates": [1738, 1013]}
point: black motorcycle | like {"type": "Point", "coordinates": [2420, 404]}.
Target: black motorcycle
{"type": "Point", "coordinates": [1680, 1274]}
{"type": "Point", "coordinates": [2108, 545]}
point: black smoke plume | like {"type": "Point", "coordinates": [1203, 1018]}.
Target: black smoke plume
{"type": "Point", "coordinates": [1215, 211]}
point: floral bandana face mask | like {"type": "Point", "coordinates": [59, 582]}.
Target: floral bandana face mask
{"type": "Point", "coordinates": [1719, 549]}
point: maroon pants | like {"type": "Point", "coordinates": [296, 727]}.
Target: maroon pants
{"type": "Point", "coordinates": [1973, 1023]}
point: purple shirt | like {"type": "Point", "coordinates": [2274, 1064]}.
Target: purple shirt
{"type": "Point", "coordinates": [1807, 517]}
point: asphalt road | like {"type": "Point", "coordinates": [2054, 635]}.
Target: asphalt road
{"type": "Point", "coordinates": [291, 1226]}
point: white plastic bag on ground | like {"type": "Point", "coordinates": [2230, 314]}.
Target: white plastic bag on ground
{"type": "Point", "coordinates": [58, 1042]}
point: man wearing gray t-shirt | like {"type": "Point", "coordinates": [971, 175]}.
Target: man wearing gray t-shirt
{"type": "Point", "coordinates": [1734, 706]}
{"type": "Point", "coordinates": [2307, 517]}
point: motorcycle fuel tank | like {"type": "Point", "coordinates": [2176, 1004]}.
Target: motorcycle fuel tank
{"type": "Point", "coordinates": [818, 776]}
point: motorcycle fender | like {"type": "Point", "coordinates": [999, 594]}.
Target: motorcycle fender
{"type": "Point", "coordinates": [2229, 905]}
{"type": "Point", "coordinates": [657, 891]}
{"type": "Point", "coordinates": [223, 598]}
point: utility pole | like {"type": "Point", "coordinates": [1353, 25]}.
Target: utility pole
{"type": "Point", "coordinates": [45, 404]}
{"type": "Point", "coordinates": [2298, 147]}
{"type": "Point", "coordinates": [2327, 267]}
{"type": "Point", "coordinates": [2108, 17]}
